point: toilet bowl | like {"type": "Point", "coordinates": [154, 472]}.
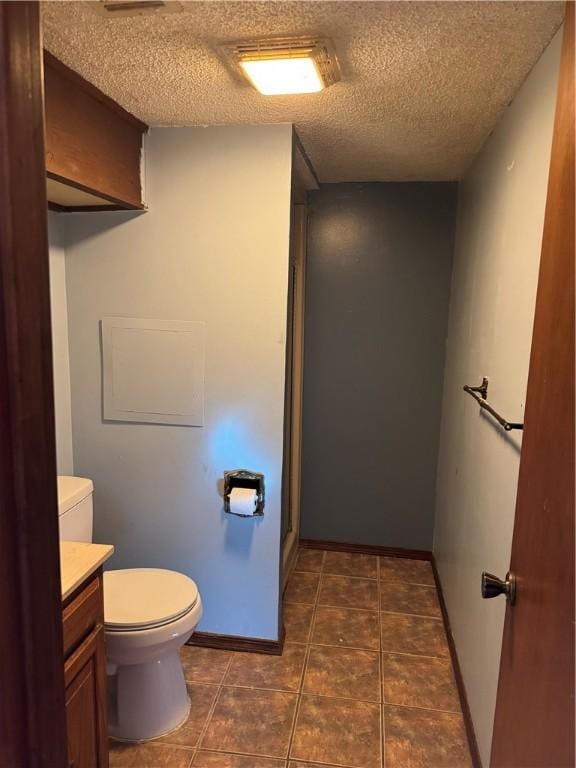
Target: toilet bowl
{"type": "Point", "coordinates": [149, 613]}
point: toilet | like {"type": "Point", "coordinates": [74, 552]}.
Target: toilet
{"type": "Point", "coordinates": [149, 613]}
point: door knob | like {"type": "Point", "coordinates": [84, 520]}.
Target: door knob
{"type": "Point", "coordinates": [492, 586]}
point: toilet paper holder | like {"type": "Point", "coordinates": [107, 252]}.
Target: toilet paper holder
{"type": "Point", "coordinates": [244, 478]}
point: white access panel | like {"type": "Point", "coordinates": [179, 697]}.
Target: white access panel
{"type": "Point", "coordinates": [153, 370]}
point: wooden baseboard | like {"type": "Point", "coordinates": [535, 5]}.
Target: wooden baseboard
{"type": "Point", "coordinates": [366, 549]}
{"type": "Point", "coordinates": [475, 754]}
{"type": "Point", "coordinates": [237, 643]}
{"type": "Point", "coordinates": [289, 563]}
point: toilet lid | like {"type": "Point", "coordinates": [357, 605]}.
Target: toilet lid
{"type": "Point", "coordinates": [140, 598]}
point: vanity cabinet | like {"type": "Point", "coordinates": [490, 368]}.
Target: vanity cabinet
{"type": "Point", "coordinates": [85, 675]}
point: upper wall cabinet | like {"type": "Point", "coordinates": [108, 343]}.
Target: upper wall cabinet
{"type": "Point", "coordinates": [93, 146]}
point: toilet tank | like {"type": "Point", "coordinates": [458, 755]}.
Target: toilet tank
{"type": "Point", "coordinates": [75, 508]}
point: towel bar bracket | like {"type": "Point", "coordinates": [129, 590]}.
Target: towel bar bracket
{"type": "Point", "coordinates": [480, 394]}
{"type": "Point", "coordinates": [482, 389]}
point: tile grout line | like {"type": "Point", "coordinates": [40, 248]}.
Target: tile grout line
{"type": "Point", "coordinates": [346, 647]}
{"type": "Point", "coordinates": [415, 615]}
{"type": "Point", "coordinates": [268, 757]}
{"type": "Point", "coordinates": [417, 655]}
{"type": "Point", "coordinates": [324, 605]}
{"type": "Point", "coordinates": [406, 582]}
{"type": "Point", "coordinates": [426, 709]}
{"type": "Point", "coordinates": [364, 610]}
{"type": "Point", "coordinates": [216, 751]}
{"type": "Point", "coordinates": [308, 649]}
{"type": "Point", "coordinates": [227, 753]}
{"type": "Point", "coordinates": [391, 577]}
{"type": "Point", "coordinates": [296, 693]}
{"type": "Point", "coordinates": [285, 761]}
{"type": "Point", "coordinates": [349, 576]}
{"type": "Point", "coordinates": [213, 707]}
{"type": "Point", "coordinates": [305, 667]}
{"type": "Point", "coordinates": [379, 701]}
{"type": "Point", "coordinates": [345, 576]}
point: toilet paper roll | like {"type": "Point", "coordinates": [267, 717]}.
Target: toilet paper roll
{"type": "Point", "coordinates": [243, 501]}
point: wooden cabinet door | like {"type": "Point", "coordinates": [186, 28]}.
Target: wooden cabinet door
{"type": "Point", "coordinates": [82, 737]}
{"type": "Point", "coordinates": [85, 675]}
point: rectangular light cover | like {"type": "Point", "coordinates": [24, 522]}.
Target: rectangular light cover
{"type": "Point", "coordinates": [283, 75]}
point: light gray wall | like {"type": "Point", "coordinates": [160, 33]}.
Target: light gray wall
{"type": "Point", "coordinates": [213, 247]}
{"type": "Point", "coordinates": [499, 236]}
{"type": "Point", "coordinates": [60, 355]}
{"type": "Point", "coordinates": [377, 295]}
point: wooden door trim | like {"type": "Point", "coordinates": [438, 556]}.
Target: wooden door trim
{"type": "Point", "coordinates": [535, 727]}
{"type": "Point", "coordinates": [298, 262]}
{"type": "Point", "coordinates": [32, 715]}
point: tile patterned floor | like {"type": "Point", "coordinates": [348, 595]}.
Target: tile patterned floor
{"type": "Point", "coordinates": [365, 680]}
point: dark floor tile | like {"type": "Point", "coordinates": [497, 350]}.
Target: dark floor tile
{"type": "Point", "coordinates": [338, 731]}
{"type": "Point", "coordinates": [417, 681]}
{"type": "Point", "coordinates": [343, 672]}
{"type": "Point", "coordinates": [419, 738]}
{"type": "Point", "coordinates": [249, 721]}
{"type": "Point", "coordinates": [204, 665]}
{"type": "Point", "coordinates": [298, 764]}
{"type": "Point", "coordinates": [351, 564]}
{"type": "Point", "coordinates": [148, 755]}
{"type": "Point", "coordinates": [222, 760]}
{"type": "Point", "coordinates": [309, 560]}
{"type": "Point", "coordinates": [298, 621]}
{"type": "Point", "coordinates": [258, 670]}
{"type": "Point", "coordinates": [201, 700]}
{"type": "Point", "coordinates": [401, 597]}
{"type": "Point", "coordinates": [344, 627]}
{"type": "Point", "coordinates": [302, 588]}
{"type": "Point", "coordinates": [346, 592]}
{"type": "Point", "coordinates": [410, 571]}
{"type": "Point", "coordinates": [413, 634]}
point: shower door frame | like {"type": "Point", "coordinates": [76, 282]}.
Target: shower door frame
{"type": "Point", "coordinates": [304, 180]}
{"type": "Point", "coordinates": [294, 385]}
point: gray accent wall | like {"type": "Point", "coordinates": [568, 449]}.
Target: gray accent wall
{"type": "Point", "coordinates": [377, 296]}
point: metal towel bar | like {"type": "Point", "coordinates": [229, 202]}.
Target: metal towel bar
{"type": "Point", "coordinates": [480, 394]}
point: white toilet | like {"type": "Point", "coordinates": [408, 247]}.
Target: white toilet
{"type": "Point", "coordinates": [149, 613]}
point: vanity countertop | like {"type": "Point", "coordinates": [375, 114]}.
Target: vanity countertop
{"type": "Point", "coordinates": [79, 559]}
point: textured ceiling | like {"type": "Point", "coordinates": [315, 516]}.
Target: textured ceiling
{"type": "Point", "coordinates": [423, 83]}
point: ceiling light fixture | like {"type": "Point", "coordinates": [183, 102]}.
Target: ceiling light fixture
{"type": "Point", "coordinates": [285, 66]}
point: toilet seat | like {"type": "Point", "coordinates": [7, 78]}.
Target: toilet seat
{"type": "Point", "coordinates": [139, 599]}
